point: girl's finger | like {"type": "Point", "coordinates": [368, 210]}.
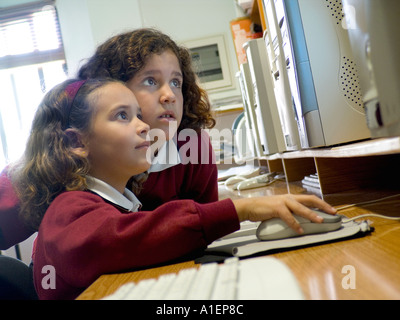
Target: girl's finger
{"type": "Point", "coordinates": [301, 210]}
{"type": "Point", "coordinates": [286, 215]}
{"type": "Point", "coordinates": [315, 202]}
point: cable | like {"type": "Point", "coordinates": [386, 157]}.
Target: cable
{"type": "Point", "coordinates": [369, 214]}
{"type": "Point", "coordinates": [366, 202]}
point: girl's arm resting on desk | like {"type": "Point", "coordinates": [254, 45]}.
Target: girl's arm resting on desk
{"type": "Point", "coordinates": [84, 237]}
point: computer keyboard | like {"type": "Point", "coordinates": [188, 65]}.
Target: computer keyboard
{"type": "Point", "coordinates": [251, 279]}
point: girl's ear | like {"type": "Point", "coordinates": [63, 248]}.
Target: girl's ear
{"type": "Point", "coordinates": [77, 144]}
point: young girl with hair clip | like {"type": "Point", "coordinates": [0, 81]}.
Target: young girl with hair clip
{"type": "Point", "coordinates": [86, 142]}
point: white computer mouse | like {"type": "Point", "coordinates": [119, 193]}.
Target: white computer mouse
{"type": "Point", "coordinates": [232, 181]}
{"type": "Point", "coordinates": [276, 229]}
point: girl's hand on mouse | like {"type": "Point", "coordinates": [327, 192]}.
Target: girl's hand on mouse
{"type": "Point", "coordinates": [283, 207]}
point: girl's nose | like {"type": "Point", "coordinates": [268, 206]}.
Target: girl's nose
{"type": "Point", "coordinates": [167, 95]}
{"type": "Point", "coordinates": [142, 128]}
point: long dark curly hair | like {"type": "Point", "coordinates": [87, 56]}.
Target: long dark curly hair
{"type": "Point", "coordinates": [123, 55]}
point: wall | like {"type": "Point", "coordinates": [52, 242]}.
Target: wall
{"type": "Point", "coordinates": [87, 23]}
{"type": "Point", "coordinates": [76, 32]}
{"type": "Point", "coordinates": [108, 18]}
{"type": "Point", "coordinates": [192, 19]}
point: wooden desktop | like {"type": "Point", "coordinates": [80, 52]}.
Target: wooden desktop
{"type": "Point", "coordinates": [367, 267]}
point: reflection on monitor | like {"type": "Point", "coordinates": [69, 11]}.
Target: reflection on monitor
{"type": "Point", "coordinates": [373, 30]}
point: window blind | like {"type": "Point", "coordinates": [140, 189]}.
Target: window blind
{"type": "Point", "coordinates": [30, 34]}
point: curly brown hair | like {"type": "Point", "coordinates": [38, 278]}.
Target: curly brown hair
{"type": "Point", "coordinates": [123, 55]}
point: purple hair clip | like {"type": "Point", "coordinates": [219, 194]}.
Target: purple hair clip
{"type": "Point", "coordinates": [72, 90]}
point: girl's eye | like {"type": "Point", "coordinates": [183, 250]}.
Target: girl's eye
{"type": "Point", "coordinates": [122, 115]}
{"type": "Point", "coordinates": [176, 83]}
{"type": "Point", "coordinates": [150, 82]}
{"type": "Point", "coordinates": [139, 116]}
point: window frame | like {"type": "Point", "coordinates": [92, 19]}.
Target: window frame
{"type": "Point", "coordinates": [26, 13]}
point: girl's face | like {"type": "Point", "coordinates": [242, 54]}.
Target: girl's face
{"type": "Point", "coordinates": [117, 143]}
{"type": "Point", "coordinates": [158, 89]}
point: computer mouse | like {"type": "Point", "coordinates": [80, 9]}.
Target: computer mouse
{"type": "Point", "coordinates": [255, 182]}
{"type": "Point", "coordinates": [233, 182]}
{"type": "Point", "coordinates": [276, 229]}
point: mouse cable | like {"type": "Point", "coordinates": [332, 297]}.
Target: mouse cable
{"type": "Point", "coordinates": [370, 215]}
{"type": "Point", "coordinates": [366, 202]}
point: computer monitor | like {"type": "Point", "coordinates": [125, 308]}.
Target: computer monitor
{"type": "Point", "coordinates": [253, 134]}
{"type": "Point", "coordinates": [281, 62]}
{"type": "Point", "coordinates": [264, 103]}
{"type": "Point", "coordinates": [373, 27]}
{"type": "Point", "coordinates": [331, 107]}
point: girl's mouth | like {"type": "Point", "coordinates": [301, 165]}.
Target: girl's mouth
{"type": "Point", "coordinates": [168, 116]}
{"type": "Point", "coordinates": [144, 145]}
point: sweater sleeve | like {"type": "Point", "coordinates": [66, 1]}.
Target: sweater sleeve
{"type": "Point", "coordinates": [84, 237]}
{"type": "Point", "coordinates": [12, 229]}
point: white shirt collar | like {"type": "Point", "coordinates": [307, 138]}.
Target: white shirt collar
{"type": "Point", "coordinates": [127, 200]}
{"type": "Point", "coordinates": [168, 156]}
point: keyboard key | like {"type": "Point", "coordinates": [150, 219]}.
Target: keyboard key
{"type": "Point", "coordinates": [203, 283]}
{"type": "Point", "coordinates": [180, 287]}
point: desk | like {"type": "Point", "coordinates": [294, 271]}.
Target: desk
{"type": "Point", "coordinates": [373, 259]}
